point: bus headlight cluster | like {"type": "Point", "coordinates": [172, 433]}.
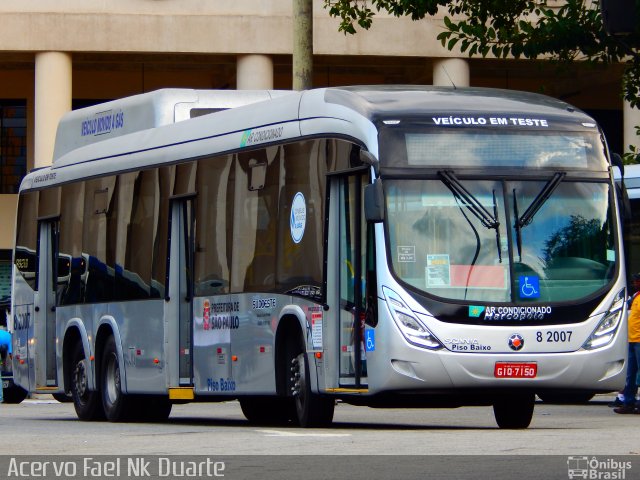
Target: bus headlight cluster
{"type": "Point", "coordinates": [608, 326]}
{"type": "Point", "coordinates": [413, 330]}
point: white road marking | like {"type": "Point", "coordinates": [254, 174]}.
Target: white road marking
{"type": "Point", "coordinates": [281, 433]}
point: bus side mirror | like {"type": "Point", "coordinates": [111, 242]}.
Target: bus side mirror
{"type": "Point", "coordinates": [374, 202]}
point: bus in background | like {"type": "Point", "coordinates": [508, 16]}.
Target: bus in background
{"type": "Point", "coordinates": [628, 190]}
{"type": "Point", "coordinates": [386, 246]}
{"type": "Point", "coordinates": [11, 392]}
{"type": "Point", "coordinates": [632, 235]}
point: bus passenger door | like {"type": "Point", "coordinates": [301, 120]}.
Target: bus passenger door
{"type": "Point", "coordinates": [346, 276]}
{"type": "Point", "coordinates": [44, 353]}
{"type": "Point", "coordinates": [179, 300]}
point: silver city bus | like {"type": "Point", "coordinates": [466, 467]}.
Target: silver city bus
{"type": "Point", "coordinates": [631, 227]}
{"type": "Point", "coordinates": [385, 246]}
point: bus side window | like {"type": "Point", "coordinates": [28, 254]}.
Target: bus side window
{"type": "Point", "coordinates": [300, 248]}
{"type": "Point", "coordinates": [257, 178]}
{"type": "Point", "coordinates": [100, 272]}
{"type": "Point", "coordinates": [141, 236]}
{"type": "Point", "coordinates": [213, 236]}
{"type": "Point", "coordinates": [70, 288]}
{"type": "Point", "coordinates": [27, 228]}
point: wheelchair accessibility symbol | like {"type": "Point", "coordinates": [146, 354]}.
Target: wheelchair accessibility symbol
{"type": "Point", "coordinates": [529, 286]}
{"type": "Point", "coordinates": [370, 340]}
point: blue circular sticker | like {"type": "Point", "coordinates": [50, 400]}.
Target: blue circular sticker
{"type": "Point", "coordinates": [298, 218]}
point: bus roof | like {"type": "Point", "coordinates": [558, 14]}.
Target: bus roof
{"type": "Point", "coordinates": [159, 127]}
{"type": "Point", "coordinates": [375, 102]}
{"type": "Point", "coordinates": [148, 110]}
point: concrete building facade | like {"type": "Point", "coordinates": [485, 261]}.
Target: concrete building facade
{"type": "Point", "coordinates": [56, 55]}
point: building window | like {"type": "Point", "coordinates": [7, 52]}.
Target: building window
{"type": "Point", "coordinates": [13, 144]}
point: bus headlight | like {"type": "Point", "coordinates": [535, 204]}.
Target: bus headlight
{"type": "Point", "coordinates": [413, 330]}
{"type": "Point", "coordinates": [608, 326]}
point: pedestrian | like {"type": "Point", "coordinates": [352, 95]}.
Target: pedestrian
{"type": "Point", "coordinates": [5, 350]}
{"type": "Point", "coordinates": [633, 357]}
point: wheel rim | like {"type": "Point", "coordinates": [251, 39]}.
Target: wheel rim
{"type": "Point", "coordinates": [299, 380]}
{"type": "Point", "coordinates": [112, 381]}
{"type": "Point", "coordinates": [80, 380]}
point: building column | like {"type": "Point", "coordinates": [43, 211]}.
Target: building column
{"type": "Point", "coordinates": [52, 99]}
{"type": "Point", "coordinates": [448, 72]}
{"type": "Point", "coordinates": [631, 120]}
{"type": "Point", "coordinates": [254, 72]}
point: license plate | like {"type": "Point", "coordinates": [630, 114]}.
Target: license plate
{"type": "Point", "coordinates": [515, 370]}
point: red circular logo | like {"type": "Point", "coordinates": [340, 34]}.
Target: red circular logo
{"type": "Point", "coordinates": [516, 342]}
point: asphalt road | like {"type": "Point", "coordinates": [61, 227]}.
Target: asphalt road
{"type": "Point", "coordinates": [362, 443]}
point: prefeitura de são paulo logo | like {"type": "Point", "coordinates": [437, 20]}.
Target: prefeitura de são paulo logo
{"type": "Point", "coordinates": [516, 342]}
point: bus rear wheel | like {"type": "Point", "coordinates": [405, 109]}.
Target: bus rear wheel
{"type": "Point", "coordinates": [312, 410]}
{"type": "Point", "coordinates": [117, 406]}
{"type": "Point", "coordinates": [86, 402]}
{"type": "Point", "coordinates": [514, 410]}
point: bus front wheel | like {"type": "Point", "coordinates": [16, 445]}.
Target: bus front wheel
{"type": "Point", "coordinates": [312, 410]}
{"type": "Point", "coordinates": [514, 410]}
{"type": "Point", "coordinates": [86, 402]}
{"type": "Point", "coordinates": [117, 406]}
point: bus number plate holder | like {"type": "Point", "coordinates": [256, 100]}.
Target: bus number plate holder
{"type": "Point", "coordinates": [515, 370]}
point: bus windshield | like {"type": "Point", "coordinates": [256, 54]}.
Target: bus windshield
{"type": "Point", "coordinates": [496, 240]}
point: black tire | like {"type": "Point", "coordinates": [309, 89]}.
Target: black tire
{"type": "Point", "coordinates": [117, 406]}
{"type": "Point", "coordinates": [312, 410]}
{"type": "Point", "coordinates": [62, 397]}
{"type": "Point", "coordinates": [86, 402]}
{"type": "Point", "coordinates": [514, 410]}
{"type": "Point", "coordinates": [14, 394]}
{"type": "Point", "coordinates": [267, 410]}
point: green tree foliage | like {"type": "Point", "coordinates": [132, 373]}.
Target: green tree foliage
{"type": "Point", "coordinates": [514, 28]}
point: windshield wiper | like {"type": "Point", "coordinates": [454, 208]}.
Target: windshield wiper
{"type": "Point", "coordinates": [473, 205]}
{"type": "Point", "coordinates": [471, 202]}
{"type": "Point", "coordinates": [497, 227]}
{"type": "Point", "coordinates": [540, 199]}
{"type": "Point", "coordinates": [536, 204]}
{"type": "Point", "coordinates": [517, 225]}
